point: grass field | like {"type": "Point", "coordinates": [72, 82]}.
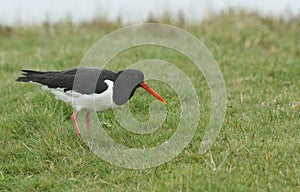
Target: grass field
{"type": "Point", "coordinates": [259, 59]}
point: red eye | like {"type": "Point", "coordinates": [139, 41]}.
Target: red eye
{"type": "Point", "coordinates": [136, 76]}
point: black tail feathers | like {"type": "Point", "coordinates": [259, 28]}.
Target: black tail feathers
{"type": "Point", "coordinates": [29, 75]}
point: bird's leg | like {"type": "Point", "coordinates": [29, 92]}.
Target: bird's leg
{"type": "Point", "coordinates": [87, 120]}
{"type": "Point", "coordinates": [74, 118]}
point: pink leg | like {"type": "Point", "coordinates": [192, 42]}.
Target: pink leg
{"type": "Point", "coordinates": [74, 118]}
{"type": "Point", "coordinates": [87, 120]}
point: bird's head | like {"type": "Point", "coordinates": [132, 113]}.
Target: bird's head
{"type": "Point", "coordinates": [127, 82]}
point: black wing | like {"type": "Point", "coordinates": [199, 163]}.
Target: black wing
{"type": "Point", "coordinates": [82, 80]}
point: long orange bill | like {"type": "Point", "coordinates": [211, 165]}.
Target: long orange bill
{"type": "Point", "coordinates": [152, 92]}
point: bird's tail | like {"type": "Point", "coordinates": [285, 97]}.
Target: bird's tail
{"type": "Point", "coordinates": [30, 76]}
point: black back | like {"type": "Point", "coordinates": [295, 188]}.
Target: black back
{"type": "Point", "coordinates": [87, 81]}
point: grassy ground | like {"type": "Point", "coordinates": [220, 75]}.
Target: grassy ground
{"type": "Point", "coordinates": [259, 59]}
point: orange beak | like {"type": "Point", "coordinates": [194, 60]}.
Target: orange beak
{"type": "Point", "coordinates": [152, 92]}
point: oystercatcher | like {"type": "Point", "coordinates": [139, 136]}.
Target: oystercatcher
{"type": "Point", "coordinates": [92, 89]}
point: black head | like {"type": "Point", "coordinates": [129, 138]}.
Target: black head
{"type": "Point", "coordinates": [126, 84]}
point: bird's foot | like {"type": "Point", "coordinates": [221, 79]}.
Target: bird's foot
{"type": "Point", "coordinates": [74, 118]}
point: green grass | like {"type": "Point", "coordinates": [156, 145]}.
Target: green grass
{"type": "Point", "coordinates": [259, 59]}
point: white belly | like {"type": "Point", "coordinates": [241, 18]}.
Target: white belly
{"type": "Point", "coordinates": [93, 102]}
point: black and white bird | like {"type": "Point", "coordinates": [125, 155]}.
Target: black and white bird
{"type": "Point", "coordinates": [92, 89]}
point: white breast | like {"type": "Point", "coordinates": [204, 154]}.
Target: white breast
{"type": "Point", "coordinates": [93, 102]}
